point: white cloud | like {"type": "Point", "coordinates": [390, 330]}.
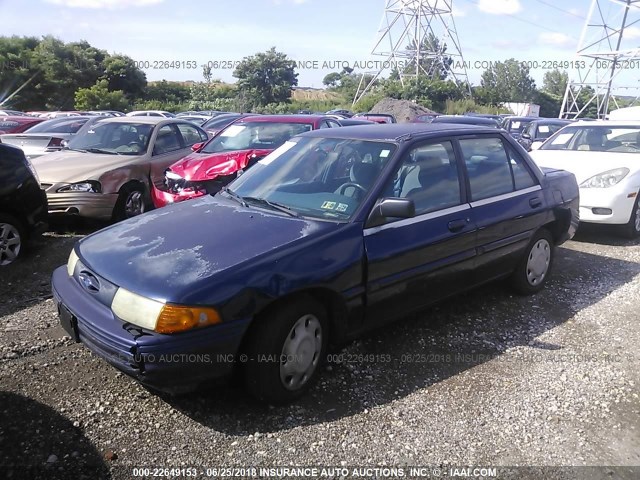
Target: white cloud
{"type": "Point", "coordinates": [556, 38]}
{"type": "Point", "coordinates": [631, 33]}
{"type": "Point", "coordinates": [500, 7]}
{"type": "Point", "coordinates": [107, 4]}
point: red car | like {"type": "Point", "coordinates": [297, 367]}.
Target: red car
{"type": "Point", "coordinates": [235, 148]}
{"type": "Point", "coordinates": [15, 124]}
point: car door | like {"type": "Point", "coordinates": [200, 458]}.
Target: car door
{"type": "Point", "coordinates": [168, 147]}
{"type": "Point", "coordinates": [506, 202]}
{"type": "Point", "coordinates": [415, 261]}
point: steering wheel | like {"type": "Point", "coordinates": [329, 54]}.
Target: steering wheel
{"type": "Point", "coordinates": [344, 187]}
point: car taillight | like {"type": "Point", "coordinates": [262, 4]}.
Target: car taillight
{"type": "Point", "coordinates": [55, 143]}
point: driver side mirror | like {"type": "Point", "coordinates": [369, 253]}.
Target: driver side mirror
{"type": "Point", "coordinates": [391, 208]}
{"type": "Point", "coordinates": [526, 136]}
{"type": "Point", "coordinates": [196, 147]}
{"type": "Point", "coordinates": [64, 144]}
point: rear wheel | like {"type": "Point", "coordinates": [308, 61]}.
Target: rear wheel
{"type": "Point", "coordinates": [632, 229]}
{"type": "Point", "coordinates": [12, 239]}
{"type": "Point", "coordinates": [131, 202]}
{"type": "Point", "coordinates": [284, 351]}
{"type": "Point", "coordinates": [535, 267]}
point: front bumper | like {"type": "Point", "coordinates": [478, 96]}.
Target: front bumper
{"type": "Point", "coordinates": [162, 198]}
{"type": "Point", "coordinates": [90, 205]}
{"type": "Point", "coordinates": [619, 200]}
{"type": "Point", "coordinates": [171, 363]}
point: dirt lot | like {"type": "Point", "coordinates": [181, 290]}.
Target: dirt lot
{"type": "Point", "coordinates": [488, 379]}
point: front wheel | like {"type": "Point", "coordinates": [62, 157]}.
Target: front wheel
{"type": "Point", "coordinates": [535, 267]}
{"type": "Point", "coordinates": [284, 351]}
{"type": "Point", "coordinates": [632, 229]}
{"type": "Point", "coordinates": [130, 203]}
{"type": "Point", "coordinates": [11, 239]}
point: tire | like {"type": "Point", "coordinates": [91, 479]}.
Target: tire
{"type": "Point", "coordinates": [535, 266]}
{"type": "Point", "coordinates": [285, 350]}
{"type": "Point", "coordinates": [632, 229]}
{"type": "Point", "coordinates": [12, 239]}
{"type": "Point", "coordinates": [131, 202]}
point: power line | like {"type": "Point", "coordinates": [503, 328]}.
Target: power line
{"type": "Point", "coordinates": [562, 10]}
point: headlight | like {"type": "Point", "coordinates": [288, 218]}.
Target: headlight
{"type": "Point", "coordinates": [71, 263]}
{"type": "Point", "coordinates": [606, 179]}
{"type": "Point", "coordinates": [159, 316]}
{"type": "Point", "coordinates": [88, 187]}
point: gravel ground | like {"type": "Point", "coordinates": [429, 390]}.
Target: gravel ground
{"type": "Point", "coordinates": [486, 379]}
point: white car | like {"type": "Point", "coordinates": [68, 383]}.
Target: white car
{"type": "Point", "coordinates": [605, 158]}
{"type": "Point", "coordinates": [150, 113]}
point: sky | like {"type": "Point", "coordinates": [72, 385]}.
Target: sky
{"type": "Point", "coordinates": [319, 34]}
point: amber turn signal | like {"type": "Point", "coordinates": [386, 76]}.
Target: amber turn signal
{"type": "Point", "coordinates": [176, 318]}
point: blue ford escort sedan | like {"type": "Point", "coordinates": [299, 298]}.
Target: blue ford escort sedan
{"type": "Point", "coordinates": [335, 232]}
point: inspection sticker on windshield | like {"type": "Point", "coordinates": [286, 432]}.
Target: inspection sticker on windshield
{"type": "Point", "coordinates": [543, 129]}
{"type": "Point", "coordinates": [328, 205]}
{"type": "Point", "coordinates": [385, 153]}
{"type": "Point", "coordinates": [342, 207]}
{"type": "Point", "coordinates": [232, 131]}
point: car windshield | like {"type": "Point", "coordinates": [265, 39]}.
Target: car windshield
{"type": "Point", "coordinates": [598, 138]}
{"type": "Point", "coordinates": [517, 126]}
{"type": "Point", "coordinates": [59, 125]}
{"type": "Point", "coordinates": [114, 137]}
{"type": "Point", "coordinates": [545, 131]}
{"type": "Point", "coordinates": [255, 136]}
{"type": "Point", "coordinates": [323, 178]}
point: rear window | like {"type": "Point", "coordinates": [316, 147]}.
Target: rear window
{"type": "Point", "coordinates": [58, 125]}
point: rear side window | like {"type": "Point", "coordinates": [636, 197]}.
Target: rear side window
{"type": "Point", "coordinates": [493, 168]}
{"type": "Point", "coordinates": [190, 134]}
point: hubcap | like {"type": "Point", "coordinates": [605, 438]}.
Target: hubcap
{"type": "Point", "coordinates": [301, 352]}
{"type": "Point", "coordinates": [134, 204]}
{"type": "Point", "coordinates": [9, 243]}
{"type": "Point", "coordinates": [538, 262]}
{"type": "Point", "coordinates": [637, 219]}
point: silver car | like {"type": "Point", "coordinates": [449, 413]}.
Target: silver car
{"type": "Point", "coordinates": [45, 137]}
{"type": "Point", "coordinates": [106, 170]}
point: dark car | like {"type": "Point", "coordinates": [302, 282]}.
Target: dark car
{"type": "Point", "coordinates": [350, 122]}
{"type": "Point", "coordinates": [540, 130]}
{"type": "Point", "coordinates": [23, 205]}
{"type": "Point", "coordinates": [18, 124]}
{"type": "Point", "coordinates": [516, 125]}
{"type": "Point", "coordinates": [339, 231]}
{"type": "Point", "coordinates": [425, 118]}
{"type": "Point", "coordinates": [495, 117]}
{"type": "Point", "coordinates": [466, 120]}
{"type": "Point", "coordinates": [234, 149]}
{"type": "Point", "coordinates": [217, 123]}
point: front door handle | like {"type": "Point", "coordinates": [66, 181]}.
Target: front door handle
{"type": "Point", "coordinates": [535, 202]}
{"type": "Point", "coordinates": [457, 225]}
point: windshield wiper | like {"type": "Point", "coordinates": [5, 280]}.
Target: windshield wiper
{"type": "Point", "coordinates": [275, 205]}
{"type": "Point", "coordinates": [99, 150]}
{"type": "Point", "coordinates": [235, 196]}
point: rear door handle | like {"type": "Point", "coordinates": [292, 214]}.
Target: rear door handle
{"type": "Point", "coordinates": [535, 202]}
{"type": "Point", "coordinates": [457, 225]}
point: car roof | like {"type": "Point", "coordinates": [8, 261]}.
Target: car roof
{"type": "Point", "coordinates": [20, 118]}
{"type": "Point", "coordinates": [521, 117]}
{"type": "Point", "coordinates": [395, 132]}
{"type": "Point", "coordinates": [609, 123]}
{"type": "Point", "coordinates": [302, 118]}
{"type": "Point", "coordinates": [553, 120]}
{"type": "Point", "coordinates": [464, 119]}
{"type": "Point", "coordinates": [141, 119]}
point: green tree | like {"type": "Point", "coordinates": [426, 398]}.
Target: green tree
{"type": "Point", "coordinates": [555, 82]}
{"type": "Point", "coordinates": [433, 61]}
{"type": "Point", "coordinates": [99, 97]}
{"type": "Point", "coordinates": [332, 80]}
{"type": "Point", "coordinates": [266, 78]}
{"type": "Point", "coordinates": [122, 73]}
{"type": "Point", "coordinates": [507, 81]}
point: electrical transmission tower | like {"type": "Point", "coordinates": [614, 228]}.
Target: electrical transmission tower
{"type": "Point", "coordinates": [604, 55]}
{"type": "Point", "coordinates": [418, 38]}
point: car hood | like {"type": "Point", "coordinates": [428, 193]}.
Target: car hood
{"type": "Point", "coordinates": [72, 166]}
{"type": "Point", "coordinates": [172, 252]}
{"type": "Point", "coordinates": [585, 164]}
{"type": "Point", "coordinates": [208, 166]}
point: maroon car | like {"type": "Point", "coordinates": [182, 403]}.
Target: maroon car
{"type": "Point", "coordinates": [17, 124]}
{"type": "Point", "coordinates": [235, 148]}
